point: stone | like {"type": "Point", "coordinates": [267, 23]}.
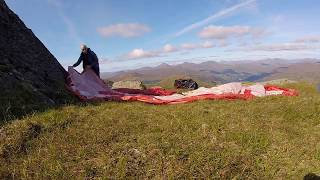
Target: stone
{"type": "Point", "coordinates": [130, 84]}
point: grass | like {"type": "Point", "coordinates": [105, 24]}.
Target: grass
{"type": "Point", "coordinates": [22, 99]}
{"type": "Point", "coordinates": [265, 138]}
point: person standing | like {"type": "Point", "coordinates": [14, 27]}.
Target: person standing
{"type": "Point", "coordinates": [89, 60]}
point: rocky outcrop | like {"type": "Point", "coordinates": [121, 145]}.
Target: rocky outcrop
{"type": "Point", "coordinates": [30, 76]}
{"type": "Point", "coordinates": [130, 84]}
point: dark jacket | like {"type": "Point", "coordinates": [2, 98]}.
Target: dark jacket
{"type": "Point", "coordinates": [90, 58]}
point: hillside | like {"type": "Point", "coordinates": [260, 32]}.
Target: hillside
{"type": "Point", "coordinates": [265, 138]}
{"type": "Point", "coordinates": [31, 78]}
{"type": "Point", "coordinates": [300, 72]}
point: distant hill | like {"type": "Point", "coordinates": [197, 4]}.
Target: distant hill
{"type": "Point", "coordinates": [226, 71]}
{"type": "Point", "coordinates": [304, 71]}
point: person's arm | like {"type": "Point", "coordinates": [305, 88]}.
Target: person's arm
{"type": "Point", "coordinates": [78, 62]}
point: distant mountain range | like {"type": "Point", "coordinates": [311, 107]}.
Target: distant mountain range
{"type": "Point", "coordinates": [226, 71]}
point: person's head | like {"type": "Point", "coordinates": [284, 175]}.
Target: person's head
{"type": "Point", "coordinates": [84, 48]}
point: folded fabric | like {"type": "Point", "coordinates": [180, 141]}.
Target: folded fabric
{"type": "Point", "coordinates": [88, 86]}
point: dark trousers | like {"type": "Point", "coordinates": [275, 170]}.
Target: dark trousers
{"type": "Point", "coordinates": [96, 70]}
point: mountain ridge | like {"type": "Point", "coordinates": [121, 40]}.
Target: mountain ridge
{"type": "Point", "coordinates": [223, 72]}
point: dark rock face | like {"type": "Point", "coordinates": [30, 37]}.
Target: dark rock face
{"type": "Point", "coordinates": [30, 76]}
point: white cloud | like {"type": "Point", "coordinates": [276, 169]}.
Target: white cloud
{"type": "Point", "coordinates": [222, 43]}
{"type": "Point", "coordinates": [166, 49]}
{"type": "Point", "coordinates": [215, 16]}
{"type": "Point", "coordinates": [103, 60]}
{"type": "Point", "coordinates": [124, 30]}
{"type": "Point", "coordinates": [283, 47]}
{"type": "Point", "coordinates": [193, 46]}
{"type": "Point", "coordinates": [140, 53]}
{"type": "Point", "coordinates": [207, 44]}
{"type": "Point", "coordinates": [225, 32]}
{"type": "Point", "coordinates": [308, 39]}
{"type": "Point", "coordinates": [189, 46]}
{"type": "Point", "coordinates": [169, 48]}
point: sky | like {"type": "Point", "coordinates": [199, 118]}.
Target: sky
{"type": "Point", "coordinates": [128, 34]}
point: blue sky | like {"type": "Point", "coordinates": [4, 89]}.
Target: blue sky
{"type": "Point", "coordinates": [129, 34]}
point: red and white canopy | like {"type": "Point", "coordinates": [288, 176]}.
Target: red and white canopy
{"type": "Point", "coordinates": [88, 86]}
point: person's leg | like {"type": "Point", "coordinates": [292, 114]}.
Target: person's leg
{"type": "Point", "coordinates": [96, 70]}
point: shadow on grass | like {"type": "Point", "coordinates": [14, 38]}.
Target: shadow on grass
{"type": "Point", "coordinates": [311, 176]}
{"type": "Point", "coordinates": [10, 112]}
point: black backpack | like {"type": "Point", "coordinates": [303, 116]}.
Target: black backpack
{"type": "Point", "coordinates": [185, 84]}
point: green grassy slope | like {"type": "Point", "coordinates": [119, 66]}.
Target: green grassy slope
{"type": "Point", "coordinates": [265, 138]}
